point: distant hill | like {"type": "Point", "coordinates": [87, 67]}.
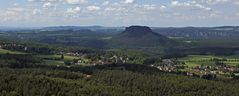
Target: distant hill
{"type": "Point", "coordinates": [71, 28]}
{"type": "Point", "coordinates": [75, 28]}
{"type": "Point", "coordinates": [16, 29]}
{"type": "Point", "coordinates": [140, 36]}
{"type": "Point", "coordinates": [223, 32]}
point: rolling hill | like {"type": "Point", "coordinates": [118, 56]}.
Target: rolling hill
{"type": "Point", "coordinates": [223, 32]}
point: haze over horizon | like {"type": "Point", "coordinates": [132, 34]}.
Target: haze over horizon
{"type": "Point", "coordinates": [154, 13]}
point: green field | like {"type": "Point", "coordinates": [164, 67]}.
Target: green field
{"type": "Point", "coordinates": [70, 58]}
{"type": "Point", "coordinates": [54, 62]}
{"type": "Point", "coordinates": [3, 51]}
{"type": "Point", "coordinates": [66, 58]}
{"type": "Point", "coordinates": [197, 60]}
{"type": "Point", "coordinates": [60, 62]}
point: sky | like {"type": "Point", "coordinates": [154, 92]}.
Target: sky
{"type": "Point", "coordinates": [154, 13]}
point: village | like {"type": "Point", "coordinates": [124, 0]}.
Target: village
{"type": "Point", "coordinates": [69, 58]}
{"type": "Point", "coordinates": [202, 71]}
{"type": "Point", "coordinates": [99, 60]}
{"type": "Point", "coordinates": [173, 65]}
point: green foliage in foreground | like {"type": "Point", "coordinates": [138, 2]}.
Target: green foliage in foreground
{"type": "Point", "coordinates": [135, 80]}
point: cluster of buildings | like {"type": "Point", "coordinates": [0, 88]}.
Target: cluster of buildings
{"type": "Point", "coordinates": [100, 61]}
{"type": "Point", "coordinates": [218, 70]}
{"type": "Point", "coordinates": [111, 60]}
{"type": "Point", "coordinates": [13, 46]}
{"type": "Point", "coordinates": [206, 72]}
{"type": "Point", "coordinates": [168, 65]}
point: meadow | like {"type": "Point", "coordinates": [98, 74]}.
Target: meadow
{"type": "Point", "coordinates": [208, 60]}
{"type": "Point", "coordinates": [3, 51]}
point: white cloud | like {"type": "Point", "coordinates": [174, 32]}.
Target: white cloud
{"type": "Point", "coordinates": [150, 7]}
{"type": "Point", "coordinates": [120, 10]}
{"type": "Point", "coordinates": [174, 3]}
{"type": "Point", "coordinates": [75, 1]}
{"type": "Point", "coordinates": [180, 4]}
{"type": "Point", "coordinates": [93, 8]}
{"type": "Point", "coordinates": [190, 5]}
{"type": "Point", "coordinates": [14, 14]}
{"type": "Point", "coordinates": [110, 9]}
{"type": "Point", "coordinates": [128, 1]}
{"type": "Point", "coordinates": [16, 9]}
{"type": "Point", "coordinates": [36, 12]}
{"type": "Point", "coordinates": [217, 1]}
{"type": "Point", "coordinates": [47, 5]}
{"type": "Point", "coordinates": [105, 3]}
{"type": "Point", "coordinates": [42, 0]}
{"type": "Point", "coordinates": [74, 10]}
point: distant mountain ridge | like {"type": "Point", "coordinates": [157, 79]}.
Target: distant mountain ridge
{"type": "Point", "coordinates": [223, 32]}
{"type": "Point", "coordinates": [6, 28]}
{"type": "Point", "coordinates": [93, 28]}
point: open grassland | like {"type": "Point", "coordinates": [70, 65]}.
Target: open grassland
{"type": "Point", "coordinates": [66, 58]}
{"type": "Point", "coordinates": [197, 60]}
{"type": "Point", "coordinates": [209, 42]}
{"type": "Point", "coordinates": [57, 60]}
{"type": "Point", "coordinates": [54, 62]}
{"type": "Point", "coordinates": [3, 51]}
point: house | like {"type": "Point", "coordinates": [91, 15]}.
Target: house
{"type": "Point", "coordinates": [88, 76]}
{"type": "Point", "coordinates": [25, 49]}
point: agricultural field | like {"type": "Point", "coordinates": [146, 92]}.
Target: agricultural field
{"type": "Point", "coordinates": [57, 59]}
{"type": "Point", "coordinates": [66, 57]}
{"type": "Point", "coordinates": [3, 51]}
{"type": "Point", "coordinates": [207, 60]}
{"type": "Point", "coordinates": [54, 62]}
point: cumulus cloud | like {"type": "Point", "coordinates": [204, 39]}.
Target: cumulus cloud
{"type": "Point", "coordinates": [105, 3]}
{"type": "Point", "coordinates": [47, 5]}
{"type": "Point", "coordinates": [128, 1]}
{"type": "Point", "coordinates": [93, 8]}
{"type": "Point", "coordinates": [36, 12]}
{"type": "Point", "coordinates": [217, 1]}
{"type": "Point", "coordinates": [110, 9]}
{"type": "Point", "coordinates": [150, 7]}
{"type": "Point", "coordinates": [122, 10]}
{"type": "Point", "coordinates": [75, 1]}
{"type": "Point", "coordinates": [16, 9]}
{"type": "Point", "coordinates": [73, 10]}
{"type": "Point", "coordinates": [190, 5]}
{"type": "Point", "coordinates": [42, 0]}
{"type": "Point", "coordinates": [14, 14]}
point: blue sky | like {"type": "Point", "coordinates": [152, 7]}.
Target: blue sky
{"type": "Point", "coordinates": [158, 13]}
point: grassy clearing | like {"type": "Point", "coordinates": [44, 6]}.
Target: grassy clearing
{"type": "Point", "coordinates": [56, 59]}
{"type": "Point", "coordinates": [70, 58]}
{"type": "Point", "coordinates": [3, 51]}
{"type": "Point", "coordinates": [49, 56]}
{"type": "Point", "coordinates": [66, 58]}
{"type": "Point", "coordinates": [197, 60]}
{"type": "Point", "coordinates": [54, 62]}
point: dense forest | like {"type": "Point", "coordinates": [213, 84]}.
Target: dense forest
{"type": "Point", "coordinates": [134, 80]}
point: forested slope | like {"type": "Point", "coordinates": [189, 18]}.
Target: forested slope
{"type": "Point", "coordinates": [130, 80]}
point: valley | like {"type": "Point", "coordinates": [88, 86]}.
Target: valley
{"type": "Point", "coordinates": [119, 48]}
{"type": "Point", "coordinates": [135, 60]}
